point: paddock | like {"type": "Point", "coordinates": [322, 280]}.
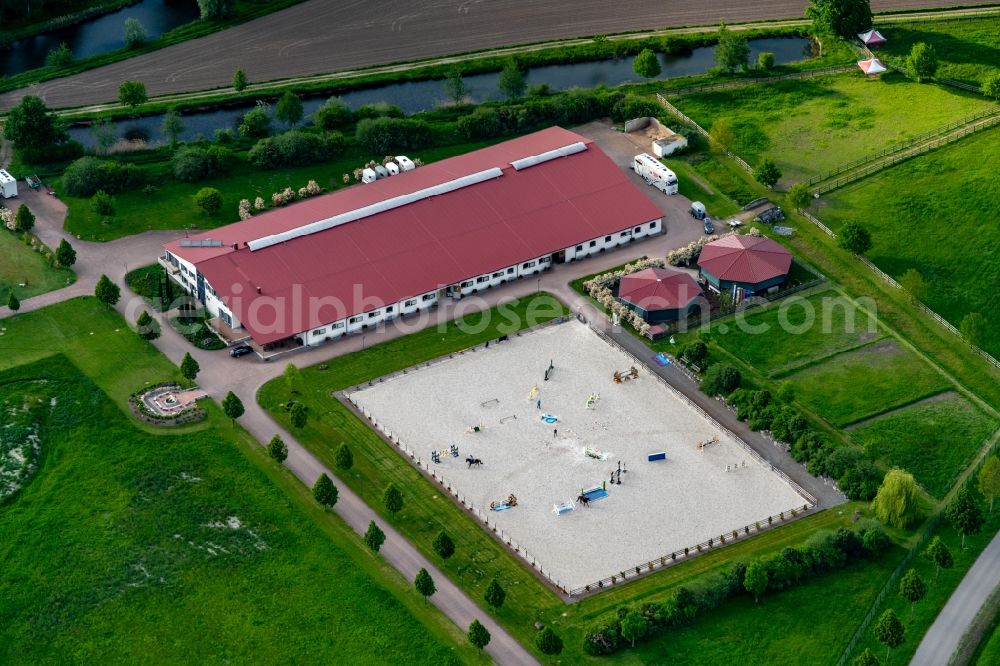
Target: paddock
{"type": "Point", "coordinates": [566, 443]}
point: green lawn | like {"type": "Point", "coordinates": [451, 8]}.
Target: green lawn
{"type": "Point", "coordinates": [937, 214]}
{"type": "Point", "coordinates": [22, 264]}
{"type": "Point", "coordinates": [810, 126]}
{"type": "Point", "coordinates": [692, 184]}
{"type": "Point", "coordinates": [171, 205]}
{"type": "Point", "coordinates": [968, 49]}
{"type": "Point", "coordinates": [933, 440]}
{"type": "Point", "coordinates": [862, 383]}
{"type": "Point", "coordinates": [122, 547]}
{"type": "Point", "coordinates": [794, 331]}
{"type": "Point", "coordinates": [989, 649]}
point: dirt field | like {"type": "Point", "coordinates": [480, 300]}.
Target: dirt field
{"type": "Point", "coordinates": [321, 36]}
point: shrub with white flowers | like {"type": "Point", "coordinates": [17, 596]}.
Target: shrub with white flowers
{"type": "Point", "coordinates": [244, 209]}
{"type": "Point", "coordinates": [258, 203]}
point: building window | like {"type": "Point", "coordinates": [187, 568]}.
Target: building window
{"type": "Point", "coordinates": [528, 264]}
{"type": "Point", "coordinates": [652, 225]}
{"type": "Point", "coordinates": [355, 320]}
{"type": "Point", "coordinates": [373, 314]}
{"type": "Point", "coordinates": [579, 248]}
{"type": "Point", "coordinates": [225, 316]}
{"type": "Point", "coordinates": [389, 308]}
{"type": "Point", "coordinates": [510, 270]}
{"type": "Point", "coordinates": [429, 297]}
{"type": "Point", "coordinates": [467, 283]}
{"type": "Point", "coordinates": [482, 278]}
{"type": "Point", "coordinates": [319, 331]}
{"type": "Point", "coordinates": [410, 303]}
{"type": "Point", "coordinates": [496, 275]}
{"type": "Point", "coordinates": [624, 234]}
{"type": "Point", "coordinates": [637, 229]}
{"type": "Point", "coordinates": [339, 324]}
{"type": "Point", "coordinates": [593, 243]}
{"type": "Point", "coordinates": [607, 239]}
{"type": "Point", "coordinates": [545, 260]}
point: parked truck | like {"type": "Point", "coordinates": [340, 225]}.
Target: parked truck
{"type": "Point", "coordinates": [655, 173]}
{"type": "Point", "coordinates": [8, 185]}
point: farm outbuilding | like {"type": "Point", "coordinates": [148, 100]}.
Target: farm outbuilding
{"type": "Point", "coordinates": [660, 295]}
{"type": "Point", "coordinates": [747, 264]}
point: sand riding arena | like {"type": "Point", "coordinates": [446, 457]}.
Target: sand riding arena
{"type": "Point", "coordinates": [588, 470]}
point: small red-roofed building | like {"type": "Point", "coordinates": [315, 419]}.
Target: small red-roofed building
{"type": "Point", "coordinates": [752, 264]}
{"type": "Point", "coordinates": [661, 295]}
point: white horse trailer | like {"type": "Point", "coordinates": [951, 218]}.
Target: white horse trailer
{"type": "Point", "coordinates": [368, 175]}
{"type": "Point", "coordinates": [8, 185]}
{"type": "Point", "coordinates": [405, 163]}
{"type": "Point", "coordinates": [655, 174]}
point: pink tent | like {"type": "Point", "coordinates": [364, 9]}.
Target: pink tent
{"type": "Point", "coordinates": [871, 38]}
{"type": "Point", "coordinates": [871, 67]}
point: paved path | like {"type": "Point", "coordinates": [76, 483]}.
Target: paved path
{"type": "Point", "coordinates": [321, 36]}
{"type": "Point", "coordinates": [953, 621]}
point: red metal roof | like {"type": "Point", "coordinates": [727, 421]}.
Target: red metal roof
{"type": "Point", "coordinates": [749, 259]}
{"type": "Point", "coordinates": [659, 289]}
{"type": "Point", "coordinates": [421, 246]}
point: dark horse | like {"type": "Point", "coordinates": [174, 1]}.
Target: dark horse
{"type": "Point", "coordinates": [583, 499]}
{"type": "Point", "coordinates": [473, 461]}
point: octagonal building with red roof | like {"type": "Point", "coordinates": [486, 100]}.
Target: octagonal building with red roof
{"type": "Point", "coordinates": [750, 263]}
{"type": "Point", "coordinates": [661, 295]}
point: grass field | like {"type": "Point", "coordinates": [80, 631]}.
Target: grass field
{"type": "Point", "coordinates": [935, 214]}
{"type": "Point", "coordinates": [859, 384]}
{"type": "Point", "coordinates": [933, 440]}
{"type": "Point", "coordinates": [988, 652]}
{"type": "Point", "coordinates": [180, 545]}
{"type": "Point", "coordinates": [20, 263]}
{"type": "Point", "coordinates": [968, 49]}
{"type": "Point", "coordinates": [810, 126]}
{"type": "Point", "coordinates": [794, 331]}
{"type": "Point", "coordinates": [171, 205]}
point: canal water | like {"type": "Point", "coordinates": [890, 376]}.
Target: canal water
{"type": "Point", "coordinates": [98, 35]}
{"type": "Point", "coordinates": [415, 96]}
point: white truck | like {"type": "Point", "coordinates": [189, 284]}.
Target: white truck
{"type": "Point", "coordinates": [8, 185]}
{"type": "Point", "coordinates": [655, 174]}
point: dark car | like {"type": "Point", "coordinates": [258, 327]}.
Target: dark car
{"type": "Point", "coordinates": [709, 227]}
{"type": "Point", "coordinates": [236, 352]}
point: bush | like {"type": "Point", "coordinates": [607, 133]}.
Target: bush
{"type": "Point", "coordinates": [383, 136]}
{"type": "Point", "coordinates": [209, 200]}
{"type": "Point", "coordinates": [59, 56]}
{"type": "Point", "coordinates": [87, 175]}
{"type": "Point", "coordinates": [135, 33]}
{"type": "Point", "coordinates": [334, 114]}
{"type": "Point", "coordinates": [378, 110]}
{"type": "Point", "coordinates": [695, 353]}
{"type": "Point", "coordinates": [483, 123]}
{"type": "Point", "coordinates": [634, 107]}
{"type": "Point", "coordinates": [192, 164]}
{"type": "Point", "coordinates": [603, 640]}
{"type": "Point", "coordinates": [765, 60]}
{"type": "Point", "coordinates": [721, 379]}
{"type": "Point", "coordinates": [256, 122]}
{"type": "Point", "coordinates": [295, 148]}
{"type": "Point", "coordinates": [102, 203]}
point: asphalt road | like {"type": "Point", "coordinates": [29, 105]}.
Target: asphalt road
{"type": "Point", "coordinates": [954, 619]}
{"type": "Point", "coordinates": [320, 36]}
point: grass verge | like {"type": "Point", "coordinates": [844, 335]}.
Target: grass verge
{"type": "Point", "coordinates": [24, 264]}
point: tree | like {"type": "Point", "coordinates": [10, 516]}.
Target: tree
{"type": "Point", "coordinates": [289, 108]}
{"type": "Point", "coordinates": [172, 126]}
{"type": "Point", "coordinates": [232, 406]}
{"type": "Point", "coordinates": [277, 449]}
{"type": "Point", "coordinates": [292, 376]}
{"type": "Point", "coordinates": [973, 328]}
{"type": "Point", "coordinates": [106, 291]}
{"type": "Point", "coordinates": [922, 63]}
{"type": "Point", "coordinates": [732, 51]}
{"type": "Point", "coordinates": [799, 196]}
{"type": "Point", "coordinates": [478, 635]}
{"type": "Point", "coordinates": [343, 457]}
{"type": "Point", "coordinates": [132, 94]}
{"type": "Point", "coordinates": [102, 203]}
{"type": "Point", "coordinates": [866, 658]}
{"type": "Point", "coordinates": [913, 283]}
{"type": "Point", "coordinates": [912, 588]}
{"type": "Point", "coordinates": [991, 86]}
{"type": "Point", "coordinates": [767, 172]}
{"type": "Point", "coordinates": [721, 136]}
{"type": "Point", "coordinates": [765, 60]}
{"type": "Point", "coordinates": [105, 135]}
{"type": "Point", "coordinates": [633, 626]}
{"type": "Point", "coordinates": [454, 86]}
{"type": "Point", "coordinates": [24, 220]}
{"type": "Point", "coordinates": [890, 631]}
{"type": "Point", "coordinates": [299, 415]}
{"type": "Point", "coordinates": [209, 200]}
{"type": "Point", "coordinates": [696, 352]}
{"type": "Point", "coordinates": [646, 64]}
{"type": "Point", "coordinates": [135, 33]}
{"type": "Point", "coordinates": [59, 56]}
{"type": "Point", "coordinates": [31, 125]}
{"type": "Point", "coordinates": [845, 18]}
{"type": "Point", "coordinates": [393, 499]}
{"type": "Point", "coordinates": [424, 584]}
{"type": "Point", "coordinates": [213, 10]}
{"type": "Point", "coordinates": [65, 254]}
{"type": "Point", "coordinates": [938, 553]}
{"type": "Point", "coordinates": [334, 114]}
{"type": "Point", "coordinates": [239, 80]}
{"type": "Point", "coordinates": [854, 238]}
{"type": "Point", "coordinates": [326, 493]}
{"type": "Point", "coordinates": [989, 479]}
{"type": "Point", "coordinates": [443, 545]}
{"type": "Point", "coordinates": [257, 121]}
{"type": "Point", "coordinates": [755, 579]}
{"type": "Point", "coordinates": [189, 367]}
{"type": "Point", "coordinates": [896, 501]}
{"type": "Point", "coordinates": [12, 302]}
{"type": "Point", "coordinates": [965, 514]}
{"type": "Point", "coordinates": [548, 641]}
{"type": "Point", "coordinates": [721, 379]}
{"type": "Point", "coordinates": [495, 594]}
{"type": "Point", "coordinates": [147, 327]}
{"type": "Point", "coordinates": [374, 537]}
{"type": "Point", "coordinates": [511, 82]}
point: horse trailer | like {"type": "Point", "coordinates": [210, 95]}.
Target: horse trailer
{"type": "Point", "coordinates": [655, 174]}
